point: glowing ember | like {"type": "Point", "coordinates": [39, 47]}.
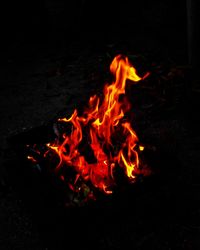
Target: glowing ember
{"type": "Point", "coordinates": [103, 121]}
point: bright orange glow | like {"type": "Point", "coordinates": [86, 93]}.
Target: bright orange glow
{"type": "Point", "coordinates": [141, 148]}
{"type": "Point", "coordinates": [31, 158]}
{"type": "Point", "coordinates": [103, 119]}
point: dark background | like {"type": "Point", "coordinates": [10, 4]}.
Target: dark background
{"type": "Point", "coordinates": [49, 53]}
{"type": "Point", "coordinates": [57, 23]}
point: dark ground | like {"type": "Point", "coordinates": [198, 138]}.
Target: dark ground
{"type": "Point", "coordinates": [44, 79]}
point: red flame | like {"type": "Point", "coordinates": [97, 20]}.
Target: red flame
{"type": "Point", "coordinates": [103, 118]}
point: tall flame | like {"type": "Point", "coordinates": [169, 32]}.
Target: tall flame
{"type": "Point", "coordinates": [103, 119]}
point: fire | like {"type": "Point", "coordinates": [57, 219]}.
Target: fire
{"type": "Point", "coordinates": [103, 120]}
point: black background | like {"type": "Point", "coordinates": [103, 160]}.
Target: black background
{"type": "Point", "coordinates": [52, 23]}
{"type": "Point", "coordinates": [39, 34]}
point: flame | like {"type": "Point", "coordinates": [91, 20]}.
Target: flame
{"type": "Point", "coordinates": [31, 158]}
{"type": "Point", "coordinates": [103, 119]}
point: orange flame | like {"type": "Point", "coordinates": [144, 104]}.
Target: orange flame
{"type": "Point", "coordinates": [103, 118]}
